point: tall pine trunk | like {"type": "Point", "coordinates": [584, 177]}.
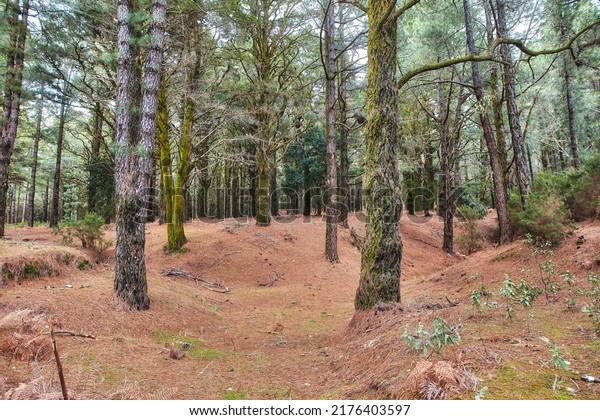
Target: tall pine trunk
{"type": "Point", "coordinates": [55, 213]}
{"type": "Point", "coordinates": [36, 143]}
{"type": "Point", "coordinates": [514, 122]}
{"type": "Point", "coordinates": [497, 172]}
{"type": "Point", "coordinates": [382, 252]}
{"type": "Point", "coordinates": [13, 80]}
{"type": "Point", "coordinates": [344, 182]}
{"type": "Point", "coordinates": [331, 182]}
{"type": "Point", "coordinates": [263, 188]}
{"type": "Point", "coordinates": [136, 137]}
{"type": "Point", "coordinates": [575, 159]}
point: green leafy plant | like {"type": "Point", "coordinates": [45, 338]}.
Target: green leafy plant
{"type": "Point", "coordinates": [508, 291]}
{"type": "Point", "coordinates": [481, 298]}
{"type": "Point", "coordinates": [527, 294]}
{"type": "Point", "coordinates": [480, 395]}
{"type": "Point", "coordinates": [592, 308]}
{"type": "Point", "coordinates": [440, 336]}
{"type": "Point", "coordinates": [558, 361]}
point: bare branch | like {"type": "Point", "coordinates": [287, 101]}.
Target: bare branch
{"type": "Point", "coordinates": [355, 3]}
{"type": "Point", "coordinates": [489, 56]}
{"type": "Point", "coordinates": [408, 5]}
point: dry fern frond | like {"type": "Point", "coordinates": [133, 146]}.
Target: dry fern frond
{"type": "Point", "coordinates": [37, 389]}
{"type": "Point", "coordinates": [128, 391]}
{"type": "Point", "coordinates": [431, 390]}
{"type": "Point", "coordinates": [419, 373]}
{"type": "Point", "coordinates": [445, 375]}
{"type": "Point", "coordinates": [163, 394]}
{"type": "Point", "coordinates": [440, 380]}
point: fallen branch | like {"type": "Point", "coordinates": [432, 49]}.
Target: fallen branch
{"type": "Point", "coordinates": [73, 334]}
{"type": "Point", "coordinates": [213, 286]}
{"type": "Point", "coordinates": [61, 376]}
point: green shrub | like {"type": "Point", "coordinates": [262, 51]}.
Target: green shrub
{"type": "Point", "coordinates": [581, 190]}
{"type": "Point", "coordinates": [556, 198]}
{"type": "Point", "coordinates": [467, 199]}
{"type": "Point", "coordinates": [89, 230]}
{"type": "Point", "coordinates": [471, 239]}
{"type": "Point", "coordinates": [543, 217]}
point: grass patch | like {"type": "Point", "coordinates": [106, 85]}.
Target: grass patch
{"type": "Point", "coordinates": [83, 265]}
{"type": "Point", "coordinates": [525, 382]}
{"type": "Point", "coordinates": [235, 395]}
{"type": "Point", "coordinates": [108, 376]}
{"type": "Point", "coordinates": [30, 271]}
{"type": "Point", "coordinates": [505, 255]}
{"type": "Point", "coordinates": [194, 347]}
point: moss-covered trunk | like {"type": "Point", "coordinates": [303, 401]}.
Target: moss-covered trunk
{"type": "Point", "coordinates": [166, 172]}
{"type": "Point", "coordinates": [263, 189]}
{"type": "Point", "coordinates": [381, 255]}
{"type": "Point", "coordinates": [497, 171]}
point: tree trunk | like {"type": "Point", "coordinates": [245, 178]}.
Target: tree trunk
{"type": "Point", "coordinates": [344, 204]}
{"type": "Point", "coordinates": [382, 253]}
{"type": "Point", "coordinates": [575, 159]}
{"type": "Point", "coordinates": [497, 172]}
{"type": "Point", "coordinates": [55, 214]}
{"type": "Point", "coordinates": [522, 172]}
{"type": "Point", "coordinates": [166, 171]}
{"type": "Point", "coordinates": [263, 189]}
{"type": "Point", "coordinates": [36, 143]}
{"type": "Point", "coordinates": [274, 194]}
{"type": "Point", "coordinates": [331, 182]}
{"type": "Point", "coordinates": [497, 96]}
{"type": "Point", "coordinates": [95, 157]}
{"type": "Point", "coordinates": [13, 80]}
{"type": "Point", "coordinates": [446, 208]}
{"type": "Point", "coordinates": [133, 169]}
{"type": "Point", "coordinates": [46, 201]}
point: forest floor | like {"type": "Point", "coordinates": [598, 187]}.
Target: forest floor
{"type": "Point", "coordinates": [287, 329]}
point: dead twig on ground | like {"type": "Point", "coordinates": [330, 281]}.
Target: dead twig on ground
{"type": "Point", "coordinates": [73, 334]}
{"type": "Point", "coordinates": [213, 286]}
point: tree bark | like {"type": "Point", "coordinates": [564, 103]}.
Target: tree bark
{"type": "Point", "coordinates": [166, 171]}
{"type": "Point", "coordinates": [521, 169]}
{"type": "Point", "coordinates": [273, 193]}
{"type": "Point", "coordinates": [344, 202]}
{"type": "Point", "coordinates": [36, 143]}
{"type": "Point", "coordinates": [382, 253]}
{"type": "Point", "coordinates": [331, 182]}
{"type": "Point", "coordinates": [497, 172]}
{"type": "Point", "coordinates": [13, 81]}
{"type": "Point", "coordinates": [575, 159]}
{"type": "Point", "coordinates": [263, 188]}
{"type": "Point", "coordinates": [497, 96]}
{"type": "Point", "coordinates": [135, 140]}
{"type": "Point", "coordinates": [55, 213]}
{"type": "Point", "coordinates": [95, 157]}
{"type": "Point", "coordinates": [46, 201]}
{"type": "Point", "coordinates": [447, 209]}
